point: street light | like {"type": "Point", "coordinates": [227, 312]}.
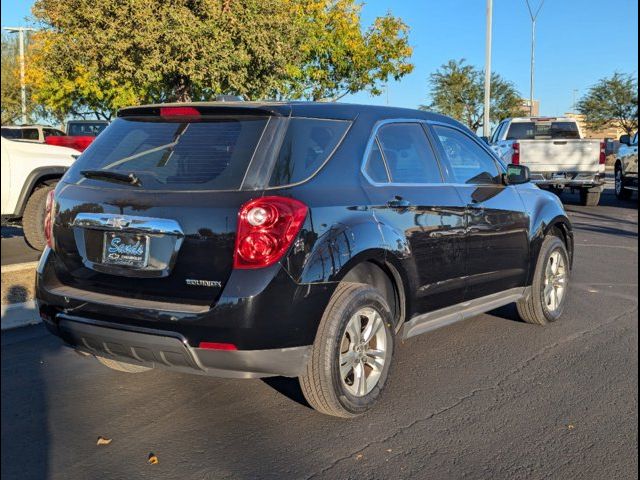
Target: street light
{"type": "Point", "coordinates": [23, 88]}
{"type": "Point", "coordinates": [534, 17]}
{"type": "Point", "coordinates": [486, 127]}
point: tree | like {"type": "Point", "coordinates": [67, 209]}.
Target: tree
{"type": "Point", "coordinates": [612, 102]}
{"type": "Point", "coordinates": [457, 90]}
{"type": "Point", "coordinates": [93, 58]}
{"type": "Point", "coordinates": [338, 58]}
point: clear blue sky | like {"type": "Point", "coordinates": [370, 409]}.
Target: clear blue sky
{"type": "Point", "coordinates": [578, 42]}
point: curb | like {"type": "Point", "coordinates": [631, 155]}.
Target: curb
{"type": "Point", "coordinates": [16, 315]}
{"type": "Point", "coordinates": [16, 267]}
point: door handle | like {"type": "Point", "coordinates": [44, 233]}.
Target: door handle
{"type": "Point", "coordinates": [398, 202]}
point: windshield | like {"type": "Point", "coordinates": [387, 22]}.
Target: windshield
{"type": "Point", "coordinates": [543, 131]}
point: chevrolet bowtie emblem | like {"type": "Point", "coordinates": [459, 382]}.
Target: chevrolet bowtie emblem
{"type": "Point", "coordinates": [118, 222]}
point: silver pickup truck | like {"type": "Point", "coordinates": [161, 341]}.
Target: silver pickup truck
{"type": "Point", "coordinates": [555, 152]}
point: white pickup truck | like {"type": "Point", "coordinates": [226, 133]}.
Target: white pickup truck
{"type": "Point", "coordinates": [29, 172]}
{"type": "Point", "coordinates": [555, 152]}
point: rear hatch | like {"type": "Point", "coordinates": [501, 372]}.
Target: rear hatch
{"type": "Point", "coordinates": [149, 211]}
{"type": "Point", "coordinates": [548, 145]}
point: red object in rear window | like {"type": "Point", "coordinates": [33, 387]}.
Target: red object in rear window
{"type": "Point", "coordinates": [179, 112]}
{"type": "Point", "coordinates": [515, 156]}
{"type": "Point", "coordinates": [266, 228]}
{"type": "Point", "coordinates": [77, 142]}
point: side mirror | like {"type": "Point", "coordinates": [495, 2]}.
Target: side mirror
{"type": "Point", "coordinates": [517, 175]}
{"type": "Point", "coordinates": [625, 140]}
{"type": "Point", "coordinates": [485, 140]}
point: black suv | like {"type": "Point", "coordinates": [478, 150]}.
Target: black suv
{"type": "Point", "coordinates": [297, 239]}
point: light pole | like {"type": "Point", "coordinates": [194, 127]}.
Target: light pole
{"type": "Point", "coordinates": [486, 126]}
{"type": "Point", "coordinates": [534, 17]}
{"type": "Point", "coordinates": [23, 88]}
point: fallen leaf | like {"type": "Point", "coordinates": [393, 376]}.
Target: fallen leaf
{"type": "Point", "coordinates": [571, 426]}
{"type": "Point", "coordinates": [152, 459]}
{"type": "Point", "coordinates": [103, 441]}
{"type": "Point", "coordinates": [359, 456]}
{"type": "Point", "coordinates": [389, 450]}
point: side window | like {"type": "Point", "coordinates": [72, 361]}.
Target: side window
{"type": "Point", "coordinates": [468, 161]}
{"type": "Point", "coordinates": [408, 154]}
{"type": "Point", "coordinates": [30, 134]}
{"type": "Point", "coordinates": [635, 140]}
{"type": "Point", "coordinates": [375, 168]}
{"type": "Point", "coordinates": [51, 132]}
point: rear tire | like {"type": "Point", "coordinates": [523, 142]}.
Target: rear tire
{"type": "Point", "coordinates": [33, 218]}
{"type": "Point", "coordinates": [122, 366]}
{"type": "Point", "coordinates": [341, 379]}
{"type": "Point", "coordinates": [536, 308]}
{"type": "Point", "coordinates": [621, 192]}
{"type": "Point", "coordinates": [589, 197]}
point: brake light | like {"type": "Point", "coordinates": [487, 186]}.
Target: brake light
{"type": "Point", "coordinates": [515, 156]}
{"type": "Point", "coordinates": [266, 228]}
{"type": "Point", "coordinates": [603, 153]}
{"type": "Point", "coordinates": [48, 219]}
{"type": "Point", "coordinates": [179, 112]}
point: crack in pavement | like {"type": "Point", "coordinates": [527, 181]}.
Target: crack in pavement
{"type": "Point", "coordinates": [497, 385]}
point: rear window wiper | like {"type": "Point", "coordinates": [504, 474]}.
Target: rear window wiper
{"type": "Point", "coordinates": [129, 178]}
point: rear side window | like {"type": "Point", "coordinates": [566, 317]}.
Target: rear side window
{"type": "Point", "coordinates": [30, 134]}
{"type": "Point", "coordinates": [543, 131]}
{"type": "Point", "coordinates": [408, 154]}
{"type": "Point", "coordinates": [206, 155]}
{"type": "Point", "coordinates": [375, 167]}
{"type": "Point", "coordinates": [307, 145]}
{"type": "Point", "coordinates": [468, 162]}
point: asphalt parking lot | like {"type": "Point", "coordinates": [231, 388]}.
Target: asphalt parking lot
{"type": "Point", "coordinates": [486, 398]}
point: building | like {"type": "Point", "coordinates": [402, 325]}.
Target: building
{"type": "Point", "coordinates": [611, 132]}
{"type": "Point", "coordinates": [526, 111]}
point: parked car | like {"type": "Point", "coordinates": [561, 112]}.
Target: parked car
{"type": "Point", "coordinates": [555, 152]}
{"type": "Point", "coordinates": [80, 134]}
{"type": "Point", "coordinates": [30, 133]}
{"type": "Point", "coordinates": [298, 239]}
{"type": "Point", "coordinates": [626, 168]}
{"type": "Point", "coordinates": [29, 172]}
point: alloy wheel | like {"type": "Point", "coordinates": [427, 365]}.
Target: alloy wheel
{"type": "Point", "coordinates": [363, 352]}
{"type": "Point", "coordinates": [555, 281]}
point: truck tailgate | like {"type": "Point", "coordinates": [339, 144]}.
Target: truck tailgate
{"type": "Point", "coordinates": [560, 155]}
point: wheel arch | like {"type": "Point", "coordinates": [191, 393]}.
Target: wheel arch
{"type": "Point", "coordinates": [39, 176]}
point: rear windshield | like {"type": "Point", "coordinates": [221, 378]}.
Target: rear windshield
{"type": "Point", "coordinates": [543, 131]}
{"type": "Point", "coordinates": [86, 129]}
{"type": "Point", "coordinates": [213, 154]}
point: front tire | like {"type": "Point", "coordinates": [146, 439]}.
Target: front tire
{"type": "Point", "coordinates": [352, 352]}
{"type": "Point", "coordinates": [547, 297]}
{"type": "Point", "coordinates": [33, 218]}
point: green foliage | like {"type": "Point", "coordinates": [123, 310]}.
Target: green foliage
{"type": "Point", "coordinates": [95, 57]}
{"type": "Point", "coordinates": [457, 90]}
{"type": "Point", "coordinates": [338, 58]}
{"type": "Point", "coordinates": [11, 105]}
{"type": "Point", "coordinates": [612, 101]}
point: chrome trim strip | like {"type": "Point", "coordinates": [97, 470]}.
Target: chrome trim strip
{"type": "Point", "coordinates": [456, 313]}
{"type": "Point", "coordinates": [114, 222]}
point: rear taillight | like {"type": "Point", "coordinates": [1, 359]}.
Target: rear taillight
{"type": "Point", "coordinates": [48, 219]}
{"type": "Point", "coordinates": [266, 228]}
{"type": "Point", "coordinates": [515, 155]}
{"type": "Point", "coordinates": [603, 153]}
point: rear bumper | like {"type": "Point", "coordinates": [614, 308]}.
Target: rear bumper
{"type": "Point", "coordinates": [568, 179]}
{"type": "Point", "coordinates": [167, 350]}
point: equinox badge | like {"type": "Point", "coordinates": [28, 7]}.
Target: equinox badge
{"type": "Point", "coordinates": [203, 283]}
